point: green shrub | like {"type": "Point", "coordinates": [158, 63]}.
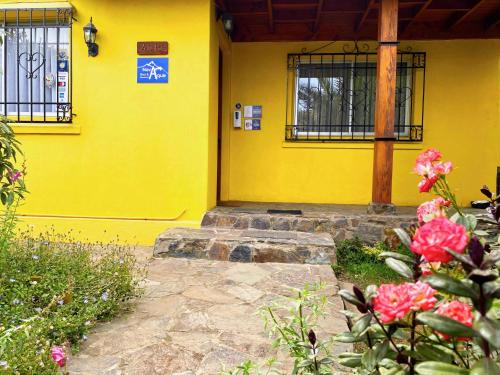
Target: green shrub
{"type": "Point", "coordinates": [362, 264]}
{"type": "Point", "coordinates": [53, 290]}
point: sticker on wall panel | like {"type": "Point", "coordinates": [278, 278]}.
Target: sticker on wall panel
{"type": "Point", "coordinates": [152, 70]}
{"type": "Point", "coordinates": [248, 125]}
{"type": "Point", "coordinates": [253, 111]}
{"type": "Point", "coordinates": [255, 124]}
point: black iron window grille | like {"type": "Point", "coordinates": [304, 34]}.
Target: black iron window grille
{"type": "Point", "coordinates": [331, 96]}
{"type": "Point", "coordinates": [35, 58]}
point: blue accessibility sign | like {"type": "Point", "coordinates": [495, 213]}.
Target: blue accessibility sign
{"type": "Point", "coordinates": [152, 70]}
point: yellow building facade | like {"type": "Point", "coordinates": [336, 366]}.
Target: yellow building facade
{"type": "Point", "coordinates": [139, 158]}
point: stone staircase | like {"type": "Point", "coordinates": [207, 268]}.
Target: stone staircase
{"type": "Point", "coordinates": [253, 235]}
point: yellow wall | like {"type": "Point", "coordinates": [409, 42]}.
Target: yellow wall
{"type": "Point", "coordinates": [462, 119]}
{"type": "Point", "coordinates": [139, 151]}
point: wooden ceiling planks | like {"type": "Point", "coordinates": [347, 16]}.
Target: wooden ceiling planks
{"type": "Point", "coordinates": [275, 20]}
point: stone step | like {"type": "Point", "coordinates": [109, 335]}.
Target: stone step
{"type": "Point", "coordinates": [248, 245]}
{"type": "Point", "coordinates": [367, 227]}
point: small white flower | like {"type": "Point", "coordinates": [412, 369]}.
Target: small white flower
{"type": "Point", "coordinates": [12, 280]}
{"type": "Point", "coordinates": [38, 310]}
{"type": "Point", "coordinates": [35, 257]}
{"type": "Point", "coordinates": [87, 323]}
{"type": "Point", "coordinates": [33, 282]}
{"type": "Point", "coordinates": [85, 300]}
{"type": "Point", "coordinates": [4, 364]}
{"type": "Point", "coordinates": [105, 296]}
{"type": "Point", "coordinates": [60, 302]}
{"type": "Point", "coordinates": [16, 301]}
{"type": "Point", "coordinates": [84, 337]}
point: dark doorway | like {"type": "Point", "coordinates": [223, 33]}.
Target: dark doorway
{"type": "Point", "coordinates": [219, 129]}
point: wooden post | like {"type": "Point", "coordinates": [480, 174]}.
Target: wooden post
{"type": "Point", "coordinates": [385, 102]}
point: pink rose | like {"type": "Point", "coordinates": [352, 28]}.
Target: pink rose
{"type": "Point", "coordinates": [58, 356]}
{"type": "Point", "coordinates": [432, 209]}
{"type": "Point", "coordinates": [443, 168]}
{"type": "Point", "coordinates": [431, 239]}
{"type": "Point", "coordinates": [456, 310]}
{"type": "Point", "coordinates": [429, 155]}
{"type": "Point", "coordinates": [430, 168]}
{"type": "Point", "coordinates": [422, 296]}
{"type": "Point", "coordinates": [426, 184]}
{"type": "Point", "coordinates": [392, 302]}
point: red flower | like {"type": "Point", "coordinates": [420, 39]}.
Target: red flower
{"type": "Point", "coordinates": [432, 209]}
{"type": "Point", "coordinates": [459, 311]}
{"type": "Point", "coordinates": [431, 239]}
{"type": "Point", "coordinates": [426, 184]}
{"type": "Point", "coordinates": [392, 302]}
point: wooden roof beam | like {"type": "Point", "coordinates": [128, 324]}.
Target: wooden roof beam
{"type": "Point", "coordinates": [270, 20]}
{"type": "Point", "coordinates": [370, 5]}
{"type": "Point", "coordinates": [466, 14]}
{"type": "Point", "coordinates": [493, 22]}
{"type": "Point", "coordinates": [419, 12]}
{"type": "Point", "coordinates": [318, 15]}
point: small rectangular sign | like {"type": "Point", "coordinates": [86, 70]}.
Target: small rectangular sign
{"type": "Point", "coordinates": [255, 124]}
{"type": "Point", "coordinates": [253, 111]}
{"type": "Point", "coordinates": [152, 70]}
{"type": "Point", "coordinates": [152, 48]}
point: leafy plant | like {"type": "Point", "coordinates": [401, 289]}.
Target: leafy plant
{"type": "Point", "coordinates": [53, 290]}
{"type": "Point", "coordinates": [443, 320]}
{"type": "Point", "coordinates": [11, 178]}
{"type": "Point", "coordinates": [362, 264]}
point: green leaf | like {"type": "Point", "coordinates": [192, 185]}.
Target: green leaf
{"type": "Point", "coordinates": [399, 267]}
{"type": "Point", "coordinates": [468, 221]}
{"type": "Point", "coordinates": [352, 360]}
{"type": "Point", "coordinates": [369, 359]}
{"type": "Point", "coordinates": [445, 325]}
{"type": "Point", "coordinates": [392, 254]}
{"type": "Point", "coordinates": [361, 324]}
{"type": "Point", "coordinates": [350, 297]}
{"type": "Point", "coordinates": [433, 353]}
{"type": "Point", "coordinates": [381, 350]}
{"type": "Point", "coordinates": [485, 366]}
{"type": "Point", "coordinates": [348, 337]}
{"type": "Point", "coordinates": [439, 368]}
{"type": "Point", "coordinates": [403, 236]}
{"type": "Point", "coordinates": [489, 330]}
{"type": "Point", "coordinates": [447, 284]}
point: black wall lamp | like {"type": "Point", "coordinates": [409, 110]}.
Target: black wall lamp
{"type": "Point", "coordinates": [89, 33]}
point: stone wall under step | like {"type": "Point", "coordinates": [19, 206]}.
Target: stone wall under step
{"type": "Point", "coordinates": [247, 245]}
{"type": "Point", "coordinates": [368, 228]}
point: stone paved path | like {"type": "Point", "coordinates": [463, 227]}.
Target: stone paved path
{"type": "Point", "coordinates": [198, 316]}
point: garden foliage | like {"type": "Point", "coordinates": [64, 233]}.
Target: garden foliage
{"type": "Point", "coordinates": [443, 319]}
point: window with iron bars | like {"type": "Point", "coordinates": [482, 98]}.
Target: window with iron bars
{"type": "Point", "coordinates": [35, 58]}
{"type": "Point", "coordinates": [331, 97]}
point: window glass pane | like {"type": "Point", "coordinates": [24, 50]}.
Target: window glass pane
{"type": "Point", "coordinates": [321, 97]}
{"type": "Point", "coordinates": [340, 97]}
{"type": "Point", "coordinates": [35, 71]}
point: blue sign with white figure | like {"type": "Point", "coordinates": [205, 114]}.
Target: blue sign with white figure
{"type": "Point", "coordinates": [152, 70]}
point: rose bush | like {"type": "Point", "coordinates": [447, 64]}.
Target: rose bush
{"type": "Point", "coordinates": [443, 320]}
{"type": "Point", "coordinates": [446, 319]}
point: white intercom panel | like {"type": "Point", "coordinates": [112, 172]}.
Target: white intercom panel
{"type": "Point", "coordinates": [237, 119]}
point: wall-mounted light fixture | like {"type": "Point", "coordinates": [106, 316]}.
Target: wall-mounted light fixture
{"type": "Point", "coordinates": [89, 33]}
{"type": "Point", "coordinates": [227, 20]}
